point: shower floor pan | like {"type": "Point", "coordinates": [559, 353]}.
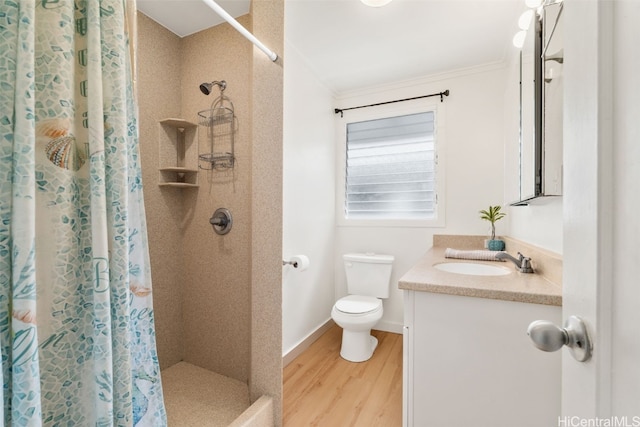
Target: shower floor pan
{"type": "Point", "coordinates": [196, 397]}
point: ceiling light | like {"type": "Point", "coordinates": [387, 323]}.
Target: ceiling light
{"type": "Point", "coordinates": [376, 3]}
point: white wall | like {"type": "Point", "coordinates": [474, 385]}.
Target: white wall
{"type": "Point", "coordinates": [474, 173]}
{"type": "Point", "coordinates": [308, 201]}
{"type": "Point", "coordinates": [539, 223]}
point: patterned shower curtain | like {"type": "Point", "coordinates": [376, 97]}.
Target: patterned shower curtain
{"type": "Point", "coordinates": [77, 337]}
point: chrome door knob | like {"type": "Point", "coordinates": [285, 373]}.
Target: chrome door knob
{"type": "Point", "coordinates": [549, 337]}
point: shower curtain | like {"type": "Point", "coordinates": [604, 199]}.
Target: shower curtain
{"type": "Point", "coordinates": [77, 338]}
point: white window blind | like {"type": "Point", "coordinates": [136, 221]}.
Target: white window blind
{"type": "Point", "coordinates": [390, 170]}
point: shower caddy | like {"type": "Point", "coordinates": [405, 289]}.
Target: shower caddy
{"type": "Point", "coordinates": [216, 133]}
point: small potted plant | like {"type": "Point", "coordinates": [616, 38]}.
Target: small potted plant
{"type": "Point", "coordinates": [493, 215]}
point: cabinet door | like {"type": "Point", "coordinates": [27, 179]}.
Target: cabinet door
{"type": "Point", "coordinates": [472, 364]}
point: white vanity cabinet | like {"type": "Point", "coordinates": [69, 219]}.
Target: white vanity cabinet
{"type": "Point", "coordinates": [468, 362]}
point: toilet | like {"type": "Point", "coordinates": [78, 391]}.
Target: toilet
{"type": "Point", "coordinates": [368, 278]}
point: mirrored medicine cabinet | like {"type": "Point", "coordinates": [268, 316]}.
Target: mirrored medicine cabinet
{"type": "Point", "coordinates": [540, 133]}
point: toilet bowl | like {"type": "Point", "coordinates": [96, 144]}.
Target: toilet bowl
{"type": "Point", "coordinates": [356, 315]}
{"type": "Point", "coordinates": [368, 277]}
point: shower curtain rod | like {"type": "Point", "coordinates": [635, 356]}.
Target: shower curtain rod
{"type": "Point", "coordinates": [440, 94]}
{"type": "Point", "coordinates": [242, 30]}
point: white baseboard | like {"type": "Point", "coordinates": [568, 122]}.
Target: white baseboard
{"type": "Point", "coordinates": [393, 327]}
{"type": "Point", "coordinates": [306, 342]}
{"type": "Point", "coordinates": [386, 326]}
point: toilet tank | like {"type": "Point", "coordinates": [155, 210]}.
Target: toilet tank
{"type": "Point", "coordinates": [368, 274]}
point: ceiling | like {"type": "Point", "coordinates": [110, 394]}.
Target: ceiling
{"type": "Point", "coordinates": [349, 45]}
{"type": "Point", "coordinates": [185, 17]}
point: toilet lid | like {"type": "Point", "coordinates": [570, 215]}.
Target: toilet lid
{"type": "Point", "coordinates": [358, 304]}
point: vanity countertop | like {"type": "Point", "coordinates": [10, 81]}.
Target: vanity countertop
{"type": "Point", "coordinates": [515, 286]}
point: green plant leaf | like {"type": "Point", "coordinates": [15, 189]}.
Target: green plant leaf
{"type": "Point", "coordinates": [493, 214]}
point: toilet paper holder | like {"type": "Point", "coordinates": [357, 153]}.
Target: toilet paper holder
{"type": "Point", "coordinates": [297, 261]}
{"type": "Point", "coordinates": [294, 263]}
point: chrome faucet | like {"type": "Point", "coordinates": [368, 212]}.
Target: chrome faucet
{"type": "Point", "coordinates": [523, 264]}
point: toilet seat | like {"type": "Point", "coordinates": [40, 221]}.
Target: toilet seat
{"type": "Point", "coordinates": [358, 304]}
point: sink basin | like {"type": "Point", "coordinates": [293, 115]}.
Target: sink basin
{"type": "Point", "coordinates": [472, 269]}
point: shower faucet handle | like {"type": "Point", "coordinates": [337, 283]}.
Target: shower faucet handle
{"type": "Point", "coordinates": [221, 221]}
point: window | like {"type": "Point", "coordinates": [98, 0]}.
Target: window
{"type": "Point", "coordinates": [390, 169]}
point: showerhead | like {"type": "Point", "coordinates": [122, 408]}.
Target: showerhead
{"type": "Point", "coordinates": [206, 87]}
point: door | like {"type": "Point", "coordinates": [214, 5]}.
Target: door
{"type": "Point", "coordinates": [601, 204]}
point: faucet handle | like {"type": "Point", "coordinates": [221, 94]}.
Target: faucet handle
{"type": "Point", "coordinates": [525, 265]}
{"type": "Point", "coordinates": [520, 257]}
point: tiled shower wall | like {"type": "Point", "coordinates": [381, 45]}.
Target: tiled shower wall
{"type": "Point", "coordinates": [217, 299]}
{"type": "Point", "coordinates": [217, 317]}
{"type": "Point", "coordinates": [202, 281]}
{"type": "Point", "coordinates": [158, 86]}
{"type": "Point", "coordinates": [266, 190]}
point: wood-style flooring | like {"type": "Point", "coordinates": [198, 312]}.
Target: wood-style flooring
{"type": "Point", "coordinates": [322, 389]}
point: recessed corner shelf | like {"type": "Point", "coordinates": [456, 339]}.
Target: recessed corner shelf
{"type": "Point", "coordinates": [178, 153]}
{"type": "Point", "coordinates": [178, 123]}
{"type": "Point", "coordinates": [178, 184]}
{"type": "Point", "coordinates": [178, 169]}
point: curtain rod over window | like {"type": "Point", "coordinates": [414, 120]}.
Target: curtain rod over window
{"type": "Point", "coordinates": [440, 94]}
